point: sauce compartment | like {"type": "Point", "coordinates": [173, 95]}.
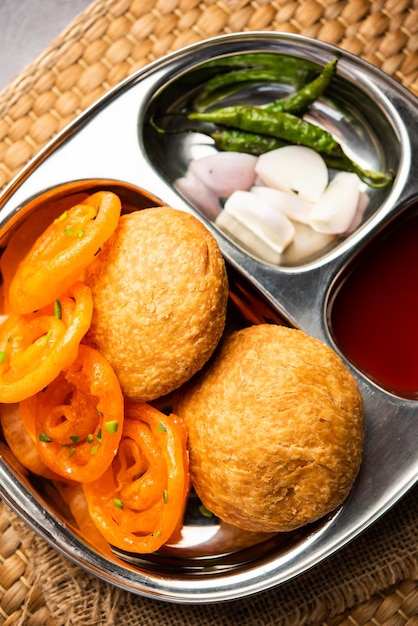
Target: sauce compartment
{"type": "Point", "coordinates": [372, 310]}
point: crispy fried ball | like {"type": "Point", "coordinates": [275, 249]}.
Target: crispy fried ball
{"type": "Point", "coordinates": [160, 292]}
{"type": "Point", "coordinates": [275, 427]}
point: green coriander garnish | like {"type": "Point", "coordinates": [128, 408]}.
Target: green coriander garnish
{"type": "Point", "coordinates": [80, 234]}
{"type": "Point", "coordinates": [75, 438]}
{"type": "Point", "coordinates": [118, 503]}
{"type": "Point", "coordinates": [112, 426]}
{"type": "Point", "coordinates": [161, 428]}
{"type": "Point", "coordinates": [204, 511]}
{"type": "Point", "coordinates": [43, 340]}
{"type": "Point", "coordinates": [69, 232]}
{"type": "Point", "coordinates": [165, 496]}
{"type": "Point", "coordinates": [62, 217]}
{"type": "Point", "coordinates": [2, 356]}
{"type": "Point", "coordinates": [90, 438]}
{"type": "Point", "coordinates": [99, 436]}
{"type": "Point", "coordinates": [57, 309]}
{"type": "Point", "coordinates": [44, 437]}
{"type": "Point", "coordinates": [71, 452]}
{"type": "Point", "coordinates": [95, 448]}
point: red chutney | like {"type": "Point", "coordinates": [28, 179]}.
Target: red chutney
{"type": "Point", "coordinates": [373, 315]}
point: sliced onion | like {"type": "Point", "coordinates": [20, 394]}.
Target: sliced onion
{"type": "Point", "coordinates": [363, 201]}
{"type": "Point", "coordinates": [225, 172]}
{"type": "Point", "coordinates": [336, 209]}
{"type": "Point", "coordinates": [296, 169]}
{"type": "Point", "coordinates": [258, 221]}
{"type": "Point", "coordinates": [199, 195]}
{"type": "Point", "coordinates": [307, 243]}
{"type": "Point", "coordinates": [244, 235]}
{"type": "Point", "coordinates": [291, 205]}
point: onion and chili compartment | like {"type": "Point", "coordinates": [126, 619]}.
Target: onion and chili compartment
{"type": "Point", "coordinates": [260, 105]}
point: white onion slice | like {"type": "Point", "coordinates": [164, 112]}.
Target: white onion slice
{"type": "Point", "coordinates": [198, 194]}
{"type": "Point", "coordinates": [307, 244]}
{"type": "Point", "coordinates": [336, 209]}
{"type": "Point", "coordinates": [296, 169]}
{"type": "Point", "coordinates": [268, 226]}
{"type": "Point", "coordinates": [244, 235]}
{"type": "Point", "coordinates": [363, 201]}
{"type": "Point", "coordinates": [225, 172]}
{"type": "Point", "coordinates": [291, 205]}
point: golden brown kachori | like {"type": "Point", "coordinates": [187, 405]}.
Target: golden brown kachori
{"type": "Point", "coordinates": [160, 292]}
{"type": "Point", "coordinates": [275, 427]}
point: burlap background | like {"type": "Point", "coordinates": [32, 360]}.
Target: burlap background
{"type": "Point", "coordinates": [372, 581]}
{"type": "Point", "coordinates": [375, 578]}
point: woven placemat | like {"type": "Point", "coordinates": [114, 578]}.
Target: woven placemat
{"type": "Point", "coordinates": [374, 580]}
{"type": "Point", "coordinates": [113, 38]}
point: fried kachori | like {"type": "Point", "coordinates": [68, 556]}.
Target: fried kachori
{"type": "Point", "coordinates": [275, 428]}
{"type": "Point", "coordinates": [160, 292]}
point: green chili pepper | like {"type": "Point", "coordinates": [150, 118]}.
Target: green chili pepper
{"type": "Point", "coordinates": [252, 143]}
{"type": "Point", "coordinates": [291, 69]}
{"type": "Point", "coordinates": [300, 101]}
{"type": "Point", "coordinates": [297, 103]}
{"type": "Point", "coordinates": [281, 125]}
{"type": "Point", "coordinates": [292, 129]}
{"type": "Point", "coordinates": [377, 180]}
{"type": "Point", "coordinates": [224, 84]}
{"type": "Point", "coordinates": [242, 141]}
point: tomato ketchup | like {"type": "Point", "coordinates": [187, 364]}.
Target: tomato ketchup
{"type": "Point", "coordinates": [373, 313]}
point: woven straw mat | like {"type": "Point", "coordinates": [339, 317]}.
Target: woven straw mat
{"type": "Point", "coordinates": [374, 580]}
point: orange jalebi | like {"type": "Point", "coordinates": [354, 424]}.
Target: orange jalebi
{"type": "Point", "coordinates": [63, 251]}
{"type": "Point", "coordinates": [78, 418]}
{"type": "Point", "coordinates": [139, 501]}
{"type": "Point", "coordinates": [35, 347]}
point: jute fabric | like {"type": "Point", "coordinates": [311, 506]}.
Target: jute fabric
{"type": "Point", "coordinates": [374, 580]}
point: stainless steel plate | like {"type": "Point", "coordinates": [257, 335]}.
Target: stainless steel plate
{"type": "Point", "coordinates": [112, 145]}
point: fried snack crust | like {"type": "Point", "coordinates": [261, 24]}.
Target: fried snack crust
{"type": "Point", "coordinates": [160, 291]}
{"type": "Point", "coordinates": [275, 426]}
